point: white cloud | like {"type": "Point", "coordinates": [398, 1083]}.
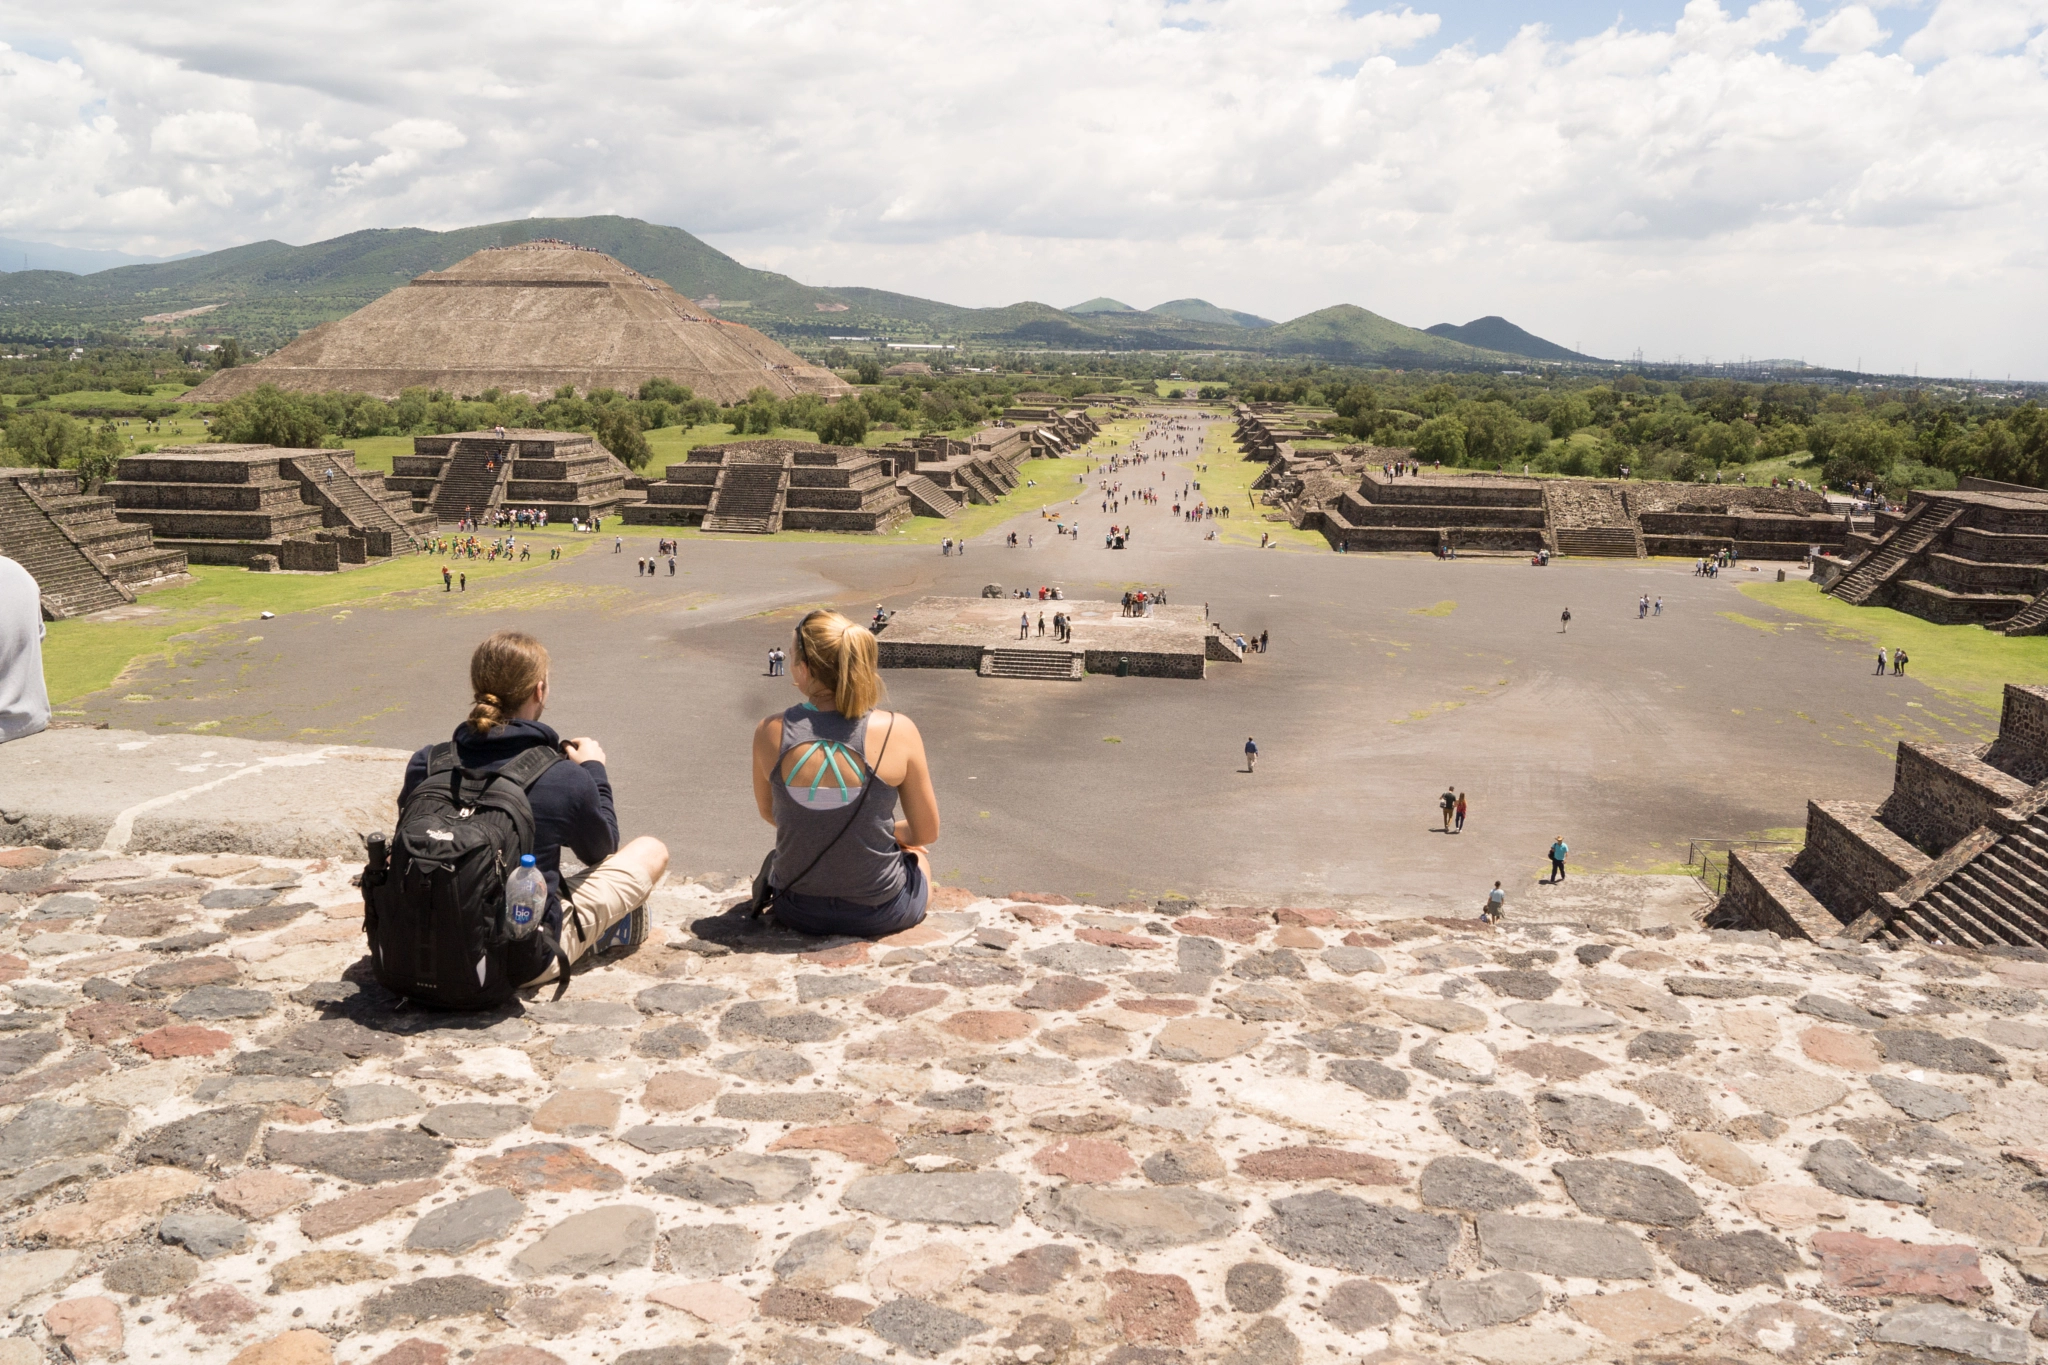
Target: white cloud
{"type": "Point", "coordinates": [1690, 189]}
{"type": "Point", "coordinates": [1850, 29]}
{"type": "Point", "coordinates": [206, 135]}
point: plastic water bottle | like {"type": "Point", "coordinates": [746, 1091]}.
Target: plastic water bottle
{"type": "Point", "coordinates": [526, 896]}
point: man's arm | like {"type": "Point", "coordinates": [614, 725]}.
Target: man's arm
{"type": "Point", "coordinates": [593, 831]}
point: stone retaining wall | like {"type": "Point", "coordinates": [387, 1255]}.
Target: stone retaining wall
{"type": "Point", "coordinates": [1850, 857]}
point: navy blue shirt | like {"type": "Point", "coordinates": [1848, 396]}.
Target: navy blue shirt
{"type": "Point", "coordinates": [572, 802]}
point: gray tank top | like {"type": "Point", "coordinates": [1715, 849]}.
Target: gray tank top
{"type": "Point", "coordinates": [864, 866]}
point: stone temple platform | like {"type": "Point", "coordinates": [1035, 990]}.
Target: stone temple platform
{"type": "Point", "coordinates": [1025, 1130]}
{"type": "Point", "coordinates": [981, 633]}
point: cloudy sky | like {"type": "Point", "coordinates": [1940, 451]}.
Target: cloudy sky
{"type": "Point", "coordinates": [1863, 184]}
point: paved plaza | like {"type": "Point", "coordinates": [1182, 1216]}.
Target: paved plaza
{"type": "Point", "coordinates": [1388, 677]}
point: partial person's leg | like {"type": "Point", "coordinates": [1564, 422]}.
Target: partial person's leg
{"type": "Point", "coordinates": [599, 897]}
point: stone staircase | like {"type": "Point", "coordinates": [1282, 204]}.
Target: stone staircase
{"type": "Point", "coordinates": [469, 486]}
{"type": "Point", "coordinates": [979, 489]}
{"type": "Point", "coordinates": [2031, 620]}
{"type": "Point", "coordinates": [749, 495]}
{"type": "Point", "coordinates": [347, 490]}
{"type": "Point", "coordinates": [72, 582]}
{"type": "Point", "coordinates": [1891, 555]}
{"type": "Point", "coordinates": [1599, 542]}
{"type": "Point", "coordinates": [1590, 519]}
{"type": "Point", "coordinates": [928, 498]}
{"type": "Point", "coordinates": [1059, 665]}
{"type": "Point", "coordinates": [1991, 889]}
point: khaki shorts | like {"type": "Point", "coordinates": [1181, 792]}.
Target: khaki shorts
{"type": "Point", "coordinates": [593, 900]}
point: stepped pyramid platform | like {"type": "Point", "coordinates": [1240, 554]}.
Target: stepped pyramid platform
{"type": "Point", "coordinates": [761, 487]}
{"type": "Point", "coordinates": [1472, 512]}
{"type": "Point", "coordinates": [1346, 495]}
{"type": "Point", "coordinates": [940, 474]}
{"type": "Point", "coordinates": [82, 557]}
{"type": "Point", "coordinates": [265, 507]}
{"type": "Point", "coordinates": [1975, 556]}
{"type": "Point", "coordinates": [529, 319]}
{"type": "Point", "coordinates": [567, 474]}
{"type": "Point", "coordinates": [980, 634]}
{"type": "Point", "coordinates": [1957, 854]}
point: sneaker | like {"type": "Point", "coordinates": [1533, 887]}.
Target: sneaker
{"type": "Point", "coordinates": [629, 932]}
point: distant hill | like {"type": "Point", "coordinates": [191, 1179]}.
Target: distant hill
{"type": "Point", "coordinates": [268, 293]}
{"type": "Point", "coordinates": [1201, 310]}
{"type": "Point", "coordinates": [1498, 334]}
{"type": "Point", "coordinates": [1351, 334]}
{"type": "Point", "coordinates": [19, 255]}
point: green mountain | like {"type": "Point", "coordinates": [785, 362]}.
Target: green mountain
{"type": "Point", "coordinates": [1498, 334]}
{"type": "Point", "coordinates": [1201, 310]}
{"type": "Point", "coordinates": [266, 293]}
{"type": "Point", "coordinates": [1351, 334]}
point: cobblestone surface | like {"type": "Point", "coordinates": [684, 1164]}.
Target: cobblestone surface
{"type": "Point", "coordinates": [1023, 1131]}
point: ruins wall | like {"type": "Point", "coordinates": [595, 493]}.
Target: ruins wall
{"type": "Point", "coordinates": [1941, 792]}
{"type": "Point", "coordinates": [1763, 894]}
{"type": "Point", "coordinates": [1361, 513]}
{"type": "Point", "coordinates": [1850, 857]}
{"type": "Point", "coordinates": [1949, 608]}
{"type": "Point", "coordinates": [1145, 664]}
{"type": "Point", "coordinates": [1473, 492]}
{"type": "Point", "coordinates": [901, 654]}
{"type": "Point", "coordinates": [309, 556]}
{"type": "Point", "coordinates": [2021, 749]}
{"type": "Point", "coordinates": [1999, 547]}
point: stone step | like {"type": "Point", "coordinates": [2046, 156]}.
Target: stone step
{"type": "Point", "coordinates": [1049, 664]}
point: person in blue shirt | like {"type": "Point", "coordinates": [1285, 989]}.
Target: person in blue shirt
{"type": "Point", "coordinates": [1558, 852]}
{"type": "Point", "coordinates": [1251, 755]}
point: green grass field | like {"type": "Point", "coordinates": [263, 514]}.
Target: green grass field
{"type": "Point", "coordinates": [84, 656]}
{"type": "Point", "coordinates": [1968, 662]}
{"type": "Point", "coordinates": [1228, 483]}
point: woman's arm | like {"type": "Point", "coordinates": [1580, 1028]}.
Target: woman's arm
{"type": "Point", "coordinates": [920, 825]}
{"type": "Point", "coordinates": [767, 750]}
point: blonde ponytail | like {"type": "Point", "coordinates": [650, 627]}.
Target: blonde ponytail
{"type": "Point", "coordinates": [504, 673]}
{"type": "Point", "coordinates": [844, 659]}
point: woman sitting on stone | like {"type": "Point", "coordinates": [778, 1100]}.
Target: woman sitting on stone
{"type": "Point", "coordinates": [844, 864]}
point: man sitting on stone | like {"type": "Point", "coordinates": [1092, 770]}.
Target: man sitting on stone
{"type": "Point", "coordinates": [572, 801]}
{"type": "Point", "coordinates": [24, 700]}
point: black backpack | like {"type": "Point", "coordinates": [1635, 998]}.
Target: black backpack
{"type": "Point", "coordinates": [434, 901]}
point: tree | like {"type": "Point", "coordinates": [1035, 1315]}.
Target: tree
{"type": "Point", "coordinates": [870, 371]}
{"type": "Point", "coordinates": [1441, 438]}
{"type": "Point", "coordinates": [270, 417]}
{"type": "Point", "coordinates": [618, 430]}
{"type": "Point", "coordinates": [227, 355]}
{"type": "Point", "coordinates": [1725, 442]}
{"type": "Point", "coordinates": [97, 455]}
{"type": "Point", "coordinates": [845, 423]}
{"type": "Point", "coordinates": [1494, 433]}
{"type": "Point", "coordinates": [46, 440]}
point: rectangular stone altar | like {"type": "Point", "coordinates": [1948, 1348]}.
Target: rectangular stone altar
{"type": "Point", "coordinates": [980, 633]}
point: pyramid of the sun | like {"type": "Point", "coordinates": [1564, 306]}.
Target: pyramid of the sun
{"type": "Point", "coordinates": [529, 319]}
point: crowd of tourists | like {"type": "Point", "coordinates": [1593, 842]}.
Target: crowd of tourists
{"type": "Point", "coordinates": [477, 547]}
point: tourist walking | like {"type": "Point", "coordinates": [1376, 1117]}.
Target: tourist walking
{"type": "Point", "coordinates": [828, 773]}
{"type": "Point", "coordinates": [447, 579]}
{"type": "Point", "coordinates": [1565, 621]}
{"type": "Point", "coordinates": [1461, 813]}
{"type": "Point", "coordinates": [1658, 610]}
{"type": "Point", "coordinates": [1496, 905]}
{"type": "Point", "coordinates": [1448, 804]}
{"type": "Point", "coordinates": [1881, 661]}
{"type": "Point", "coordinates": [1024, 626]}
{"type": "Point", "coordinates": [1898, 663]}
{"type": "Point", "coordinates": [1251, 755]}
{"type": "Point", "coordinates": [1559, 851]}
